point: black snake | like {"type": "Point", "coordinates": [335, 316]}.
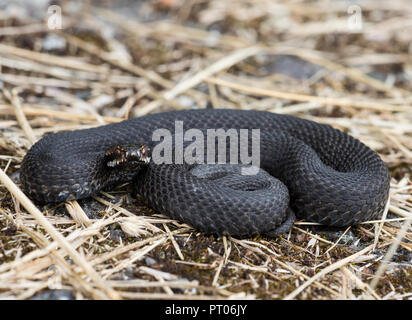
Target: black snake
{"type": "Point", "coordinates": [307, 169]}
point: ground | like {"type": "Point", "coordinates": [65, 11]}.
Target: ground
{"type": "Point", "coordinates": [343, 63]}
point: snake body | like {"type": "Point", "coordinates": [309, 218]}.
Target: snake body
{"type": "Point", "coordinates": [307, 169]}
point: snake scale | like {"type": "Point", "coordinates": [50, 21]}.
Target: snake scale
{"type": "Point", "coordinates": [308, 170]}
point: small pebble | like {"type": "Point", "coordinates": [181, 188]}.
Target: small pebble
{"type": "Point", "coordinates": [54, 295]}
{"type": "Point", "coordinates": [116, 234]}
{"type": "Point", "coordinates": [53, 42]}
{"type": "Point", "coordinates": [149, 261]}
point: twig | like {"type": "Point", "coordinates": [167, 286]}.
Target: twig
{"type": "Point", "coordinates": [77, 258]}
{"type": "Point", "coordinates": [390, 253]}
{"type": "Point", "coordinates": [327, 270]}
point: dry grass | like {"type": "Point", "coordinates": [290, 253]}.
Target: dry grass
{"type": "Point", "coordinates": [127, 59]}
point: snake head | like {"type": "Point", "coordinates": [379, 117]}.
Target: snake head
{"type": "Point", "coordinates": [127, 155]}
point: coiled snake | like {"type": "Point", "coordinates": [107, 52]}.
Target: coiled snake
{"type": "Point", "coordinates": [307, 169]}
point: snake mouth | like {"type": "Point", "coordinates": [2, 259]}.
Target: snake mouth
{"type": "Point", "coordinates": [127, 155]}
